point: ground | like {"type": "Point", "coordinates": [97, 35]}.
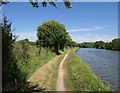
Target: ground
{"type": "Point", "coordinates": [49, 77]}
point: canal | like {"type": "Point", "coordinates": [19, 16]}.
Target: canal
{"type": "Point", "coordinates": [103, 62]}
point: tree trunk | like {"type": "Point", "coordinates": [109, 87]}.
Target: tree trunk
{"type": "Point", "coordinates": [56, 47]}
{"type": "Point", "coordinates": [40, 50]}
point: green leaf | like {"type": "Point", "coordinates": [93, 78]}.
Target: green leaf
{"type": "Point", "coordinates": [53, 3]}
{"type": "Point", "coordinates": [44, 4]}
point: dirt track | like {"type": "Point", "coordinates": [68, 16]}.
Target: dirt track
{"type": "Point", "coordinates": [44, 76]}
{"type": "Point", "coordinates": [60, 79]}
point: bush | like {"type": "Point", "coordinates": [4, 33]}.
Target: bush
{"type": "Point", "coordinates": [9, 67]}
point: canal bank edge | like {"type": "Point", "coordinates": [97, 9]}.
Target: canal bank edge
{"type": "Point", "coordinates": [80, 77]}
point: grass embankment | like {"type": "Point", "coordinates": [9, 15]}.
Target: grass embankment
{"type": "Point", "coordinates": [28, 65]}
{"type": "Point", "coordinates": [39, 70]}
{"type": "Point", "coordinates": [35, 60]}
{"type": "Point", "coordinates": [80, 77]}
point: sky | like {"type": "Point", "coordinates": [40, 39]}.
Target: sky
{"type": "Point", "coordinates": [85, 21]}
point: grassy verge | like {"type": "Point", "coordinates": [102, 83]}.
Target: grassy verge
{"type": "Point", "coordinates": [80, 77]}
{"type": "Point", "coordinates": [46, 67]}
{"type": "Point", "coordinates": [27, 66]}
{"type": "Point", "coordinates": [35, 60]}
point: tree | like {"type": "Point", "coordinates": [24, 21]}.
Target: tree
{"type": "Point", "coordinates": [27, 40]}
{"type": "Point", "coordinates": [113, 45]}
{"type": "Point", "coordinates": [2, 2]}
{"type": "Point", "coordinates": [116, 44]}
{"type": "Point", "coordinates": [100, 44]}
{"type": "Point", "coordinates": [44, 3]}
{"type": "Point", "coordinates": [87, 44]}
{"type": "Point", "coordinates": [52, 34]}
{"type": "Point", "coordinates": [109, 45]}
{"type": "Point", "coordinates": [73, 44]}
{"type": "Point", "coordinates": [9, 66]}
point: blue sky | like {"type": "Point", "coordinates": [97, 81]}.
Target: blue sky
{"type": "Point", "coordinates": [85, 21]}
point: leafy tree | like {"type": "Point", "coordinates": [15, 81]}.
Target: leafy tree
{"type": "Point", "coordinates": [87, 44]}
{"type": "Point", "coordinates": [100, 44]}
{"type": "Point", "coordinates": [2, 2]}
{"type": "Point", "coordinates": [109, 45]}
{"type": "Point", "coordinates": [116, 44]}
{"type": "Point", "coordinates": [73, 44]}
{"type": "Point", "coordinates": [44, 3]}
{"type": "Point", "coordinates": [52, 34]}
{"type": "Point", "coordinates": [27, 40]}
{"type": "Point", "coordinates": [113, 45]}
{"type": "Point", "coordinates": [51, 2]}
{"type": "Point", "coordinates": [9, 67]}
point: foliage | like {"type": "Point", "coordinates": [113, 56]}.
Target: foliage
{"type": "Point", "coordinates": [51, 2]}
{"type": "Point", "coordinates": [2, 2]}
{"type": "Point", "coordinates": [19, 58]}
{"type": "Point", "coordinates": [44, 3]}
{"type": "Point", "coordinates": [113, 45]}
{"type": "Point", "coordinates": [87, 45]}
{"type": "Point", "coordinates": [73, 44]}
{"type": "Point", "coordinates": [116, 44]}
{"type": "Point", "coordinates": [34, 61]}
{"type": "Point", "coordinates": [100, 44]}
{"type": "Point", "coordinates": [109, 45]}
{"type": "Point", "coordinates": [53, 35]}
{"type": "Point", "coordinates": [24, 67]}
{"type": "Point", "coordinates": [9, 67]}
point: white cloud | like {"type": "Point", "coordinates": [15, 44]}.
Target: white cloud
{"type": "Point", "coordinates": [94, 28]}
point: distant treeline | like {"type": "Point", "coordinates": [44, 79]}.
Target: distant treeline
{"type": "Point", "coordinates": [113, 45]}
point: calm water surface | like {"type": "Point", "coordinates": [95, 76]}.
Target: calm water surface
{"type": "Point", "coordinates": [103, 62]}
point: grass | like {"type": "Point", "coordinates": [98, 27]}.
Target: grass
{"type": "Point", "coordinates": [50, 79]}
{"type": "Point", "coordinates": [37, 60]}
{"type": "Point", "coordinates": [29, 65]}
{"type": "Point", "coordinates": [80, 77]}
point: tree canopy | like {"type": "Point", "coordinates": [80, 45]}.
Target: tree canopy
{"type": "Point", "coordinates": [99, 44]}
{"type": "Point", "coordinates": [35, 4]}
{"type": "Point", "coordinates": [113, 45]}
{"type": "Point", "coordinates": [9, 67]}
{"type": "Point", "coordinates": [52, 34]}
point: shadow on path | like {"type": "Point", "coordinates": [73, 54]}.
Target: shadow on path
{"type": "Point", "coordinates": [27, 88]}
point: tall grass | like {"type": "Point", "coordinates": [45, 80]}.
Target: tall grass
{"type": "Point", "coordinates": [80, 76]}
{"type": "Point", "coordinates": [28, 65]}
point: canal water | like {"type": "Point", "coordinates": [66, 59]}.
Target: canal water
{"type": "Point", "coordinates": [104, 64]}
